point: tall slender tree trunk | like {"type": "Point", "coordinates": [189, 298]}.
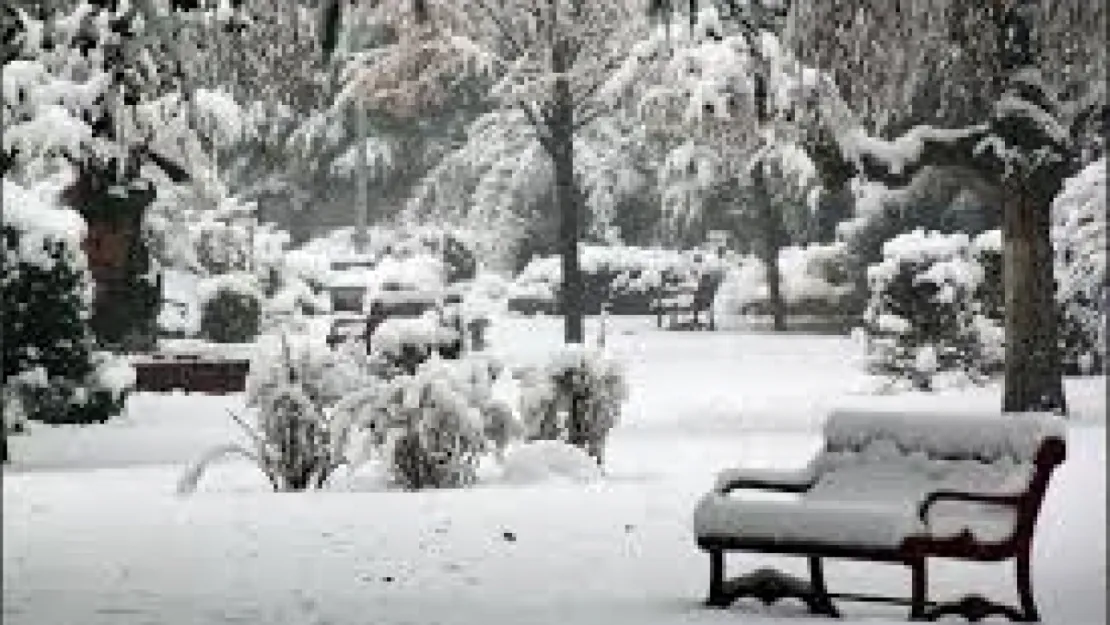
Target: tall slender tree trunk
{"type": "Point", "coordinates": [566, 196]}
{"type": "Point", "coordinates": [1034, 381]}
{"type": "Point", "coordinates": [772, 241]}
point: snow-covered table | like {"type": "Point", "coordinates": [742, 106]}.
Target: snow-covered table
{"type": "Point", "coordinates": [896, 488]}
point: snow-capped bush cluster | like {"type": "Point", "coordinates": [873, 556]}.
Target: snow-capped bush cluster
{"type": "Point", "coordinates": [576, 397]}
{"type": "Point", "coordinates": [296, 440]}
{"type": "Point", "coordinates": [814, 280]}
{"type": "Point", "coordinates": [1079, 243]}
{"type": "Point", "coordinates": [928, 322]}
{"type": "Point", "coordinates": [403, 344]}
{"type": "Point", "coordinates": [49, 358]}
{"type": "Point", "coordinates": [434, 425]}
{"type": "Point", "coordinates": [230, 308]}
{"type": "Point", "coordinates": [626, 278]}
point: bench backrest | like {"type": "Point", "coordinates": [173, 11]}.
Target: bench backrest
{"type": "Point", "coordinates": [901, 457]}
{"type": "Point", "coordinates": [1015, 438]}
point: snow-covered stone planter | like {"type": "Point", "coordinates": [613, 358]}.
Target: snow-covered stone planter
{"type": "Point", "coordinates": [896, 488]}
{"type": "Point", "coordinates": [576, 397]}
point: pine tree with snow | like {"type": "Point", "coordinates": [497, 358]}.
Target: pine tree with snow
{"type": "Point", "coordinates": [45, 291]}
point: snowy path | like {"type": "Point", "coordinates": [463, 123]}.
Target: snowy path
{"type": "Point", "coordinates": [90, 541]}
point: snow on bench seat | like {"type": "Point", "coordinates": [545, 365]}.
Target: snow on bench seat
{"type": "Point", "coordinates": [865, 487]}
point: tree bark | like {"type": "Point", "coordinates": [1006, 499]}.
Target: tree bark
{"type": "Point", "coordinates": [769, 224]}
{"type": "Point", "coordinates": [566, 196]}
{"type": "Point", "coordinates": [1033, 368]}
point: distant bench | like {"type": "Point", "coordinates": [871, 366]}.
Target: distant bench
{"type": "Point", "coordinates": [893, 488]}
{"type": "Point", "coordinates": [685, 304]}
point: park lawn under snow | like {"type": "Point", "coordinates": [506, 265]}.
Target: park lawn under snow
{"type": "Point", "coordinates": [94, 534]}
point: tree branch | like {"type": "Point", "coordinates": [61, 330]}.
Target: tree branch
{"type": "Point", "coordinates": [895, 163]}
{"type": "Point", "coordinates": [542, 128]}
{"type": "Point", "coordinates": [504, 29]}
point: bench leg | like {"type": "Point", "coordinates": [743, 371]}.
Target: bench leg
{"type": "Point", "coordinates": [717, 596]}
{"type": "Point", "coordinates": [1025, 589]}
{"type": "Point", "coordinates": [820, 603]}
{"type": "Point", "coordinates": [919, 589]}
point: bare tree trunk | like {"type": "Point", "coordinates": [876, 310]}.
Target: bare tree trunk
{"type": "Point", "coordinates": [772, 241]}
{"type": "Point", "coordinates": [1033, 368]}
{"type": "Point", "coordinates": [566, 196]}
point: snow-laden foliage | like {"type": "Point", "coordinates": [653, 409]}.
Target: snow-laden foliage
{"type": "Point", "coordinates": [1079, 243]}
{"type": "Point", "coordinates": [403, 344]}
{"type": "Point", "coordinates": [46, 291]}
{"type": "Point", "coordinates": [625, 278]}
{"type": "Point", "coordinates": [575, 397]}
{"type": "Point", "coordinates": [230, 308]}
{"type": "Point", "coordinates": [501, 179]}
{"type": "Point", "coordinates": [927, 321]}
{"type": "Point", "coordinates": [814, 281]}
{"type": "Point", "coordinates": [434, 425]}
{"type": "Point", "coordinates": [297, 440]}
{"type": "Point", "coordinates": [76, 71]}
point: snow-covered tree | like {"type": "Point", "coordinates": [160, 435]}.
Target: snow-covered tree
{"type": "Point", "coordinates": [724, 93]}
{"type": "Point", "coordinates": [547, 60]}
{"type": "Point", "coordinates": [1034, 67]}
{"type": "Point", "coordinates": [1079, 242]}
{"type": "Point", "coordinates": [49, 359]}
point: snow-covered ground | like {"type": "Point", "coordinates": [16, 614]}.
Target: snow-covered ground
{"type": "Point", "coordinates": [94, 534]}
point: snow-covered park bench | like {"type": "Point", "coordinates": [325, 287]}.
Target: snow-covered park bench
{"type": "Point", "coordinates": [892, 488]}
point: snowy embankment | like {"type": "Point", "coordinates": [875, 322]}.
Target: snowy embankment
{"type": "Point", "coordinates": [122, 549]}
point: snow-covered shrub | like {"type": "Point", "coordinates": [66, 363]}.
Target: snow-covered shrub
{"type": "Point", "coordinates": [815, 281]}
{"type": "Point", "coordinates": [297, 440]}
{"type": "Point", "coordinates": [625, 278]}
{"type": "Point", "coordinates": [1079, 244]}
{"type": "Point", "coordinates": [926, 319]}
{"type": "Point", "coordinates": [221, 247]}
{"type": "Point", "coordinates": [45, 290]}
{"type": "Point", "coordinates": [435, 424]}
{"type": "Point", "coordinates": [576, 397]}
{"type": "Point", "coordinates": [402, 344]}
{"type": "Point", "coordinates": [231, 309]}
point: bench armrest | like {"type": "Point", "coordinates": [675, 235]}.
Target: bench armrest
{"type": "Point", "coordinates": [1011, 500]}
{"type": "Point", "coordinates": [797, 481]}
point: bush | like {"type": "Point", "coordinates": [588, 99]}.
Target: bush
{"type": "Point", "coordinates": [626, 278]}
{"type": "Point", "coordinates": [48, 355]}
{"type": "Point", "coordinates": [435, 424]}
{"type": "Point", "coordinates": [298, 439]}
{"type": "Point", "coordinates": [815, 281]}
{"type": "Point", "coordinates": [230, 313]}
{"type": "Point", "coordinates": [1079, 243]}
{"type": "Point", "coordinates": [931, 311]}
{"type": "Point", "coordinates": [575, 398]}
{"type": "Point", "coordinates": [400, 345]}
